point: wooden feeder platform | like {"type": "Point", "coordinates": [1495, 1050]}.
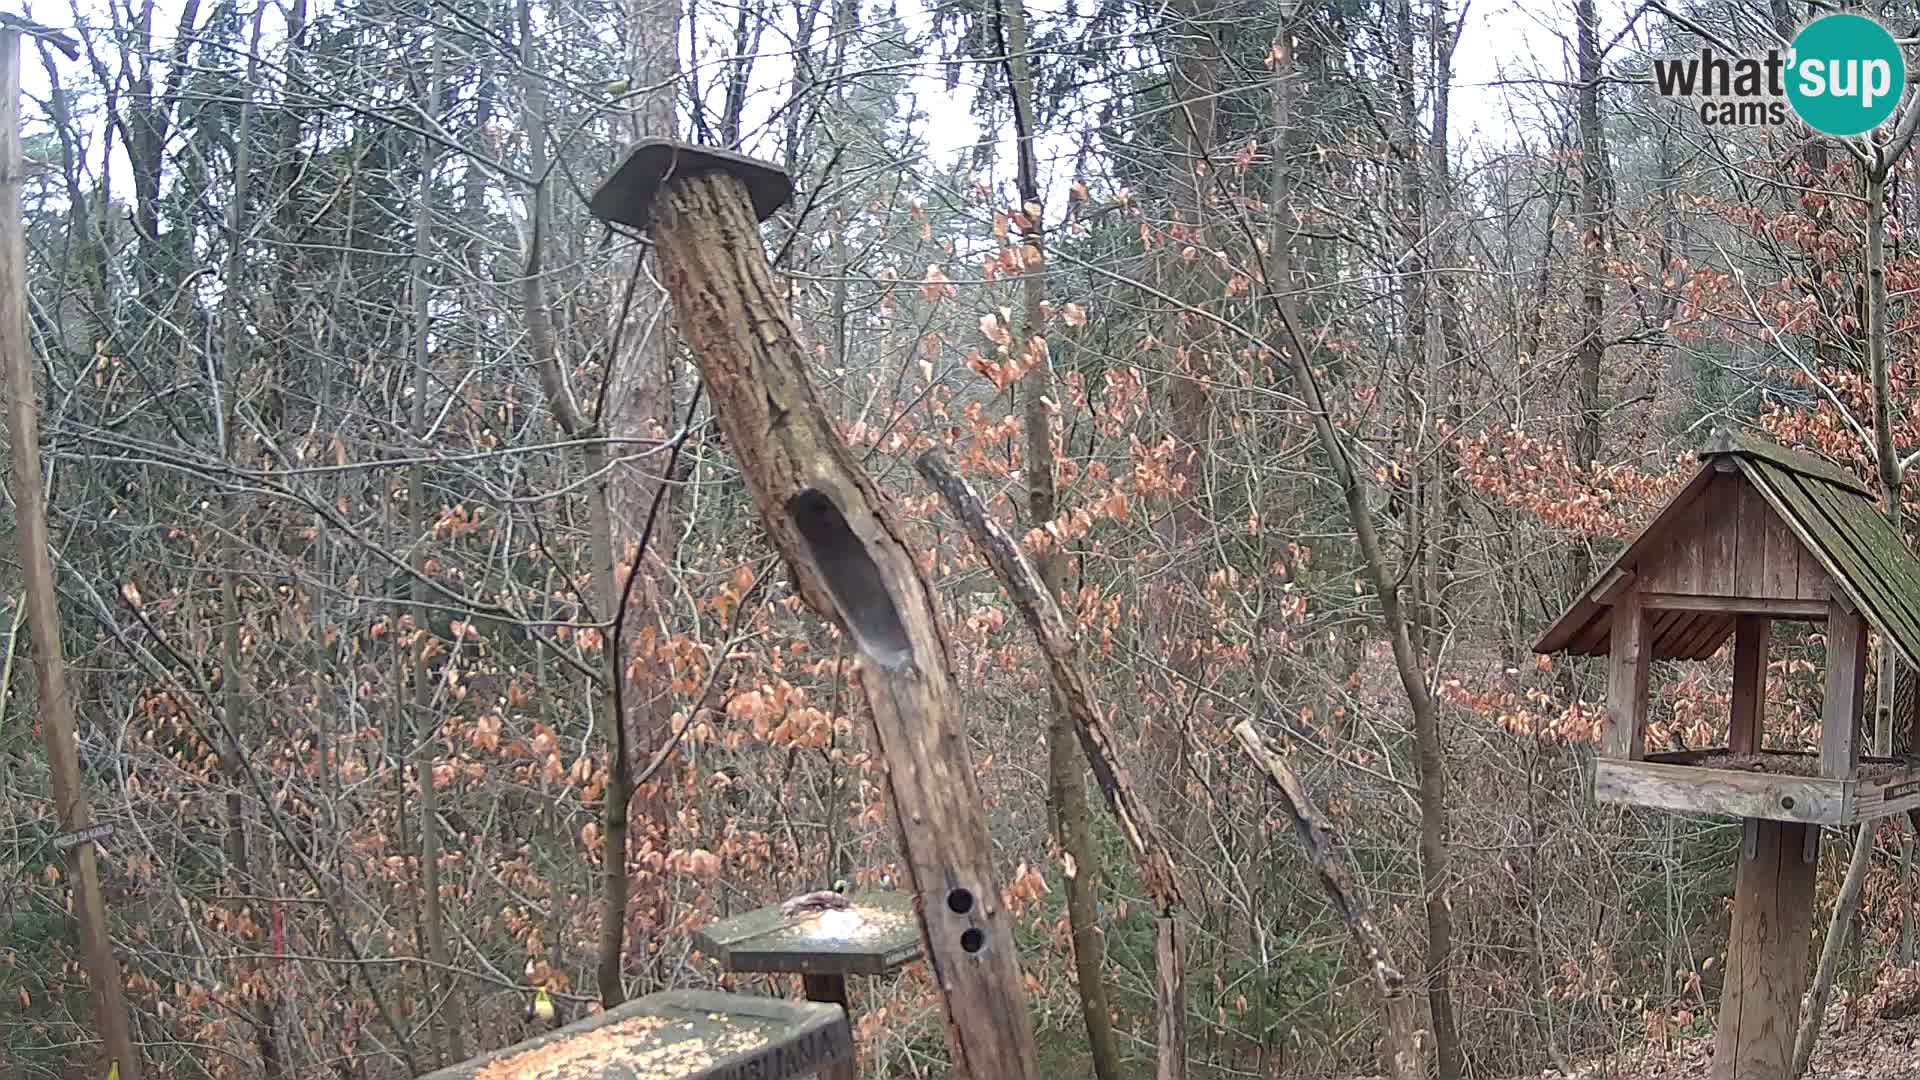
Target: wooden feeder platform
{"type": "Point", "coordinates": [1760, 535]}
{"type": "Point", "coordinates": [877, 933]}
{"type": "Point", "coordinates": [677, 1035]}
{"type": "Point", "coordinates": [1774, 785]}
{"type": "Point", "coordinates": [874, 934]}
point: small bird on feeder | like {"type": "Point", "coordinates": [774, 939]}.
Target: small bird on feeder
{"type": "Point", "coordinates": [541, 1009]}
{"type": "Point", "coordinates": [834, 899]}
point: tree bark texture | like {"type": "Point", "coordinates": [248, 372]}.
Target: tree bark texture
{"type": "Point", "coordinates": [1589, 347]}
{"type": "Point", "coordinates": [842, 540]}
{"type": "Point", "coordinates": [639, 405]}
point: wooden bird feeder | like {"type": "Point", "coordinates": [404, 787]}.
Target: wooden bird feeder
{"type": "Point", "coordinates": [678, 1035]}
{"type": "Point", "coordinates": [1760, 534]}
{"type": "Point", "coordinates": [841, 540]}
{"type": "Point", "coordinates": [875, 934]}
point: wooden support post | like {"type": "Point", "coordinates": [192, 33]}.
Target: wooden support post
{"type": "Point", "coordinates": [1746, 733]}
{"type": "Point", "coordinates": [1766, 953]}
{"type": "Point", "coordinates": [1170, 997]}
{"type": "Point", "coordinates": [841, 538]}
{"type": "Point", "coordinates": [36, 571]}
{"type": "Point", "coordinates": [1627, 664]}
{"type": "Point", "coordinates": [1846, 692]}
{"type": "Point", "coordinates": [831, 990]}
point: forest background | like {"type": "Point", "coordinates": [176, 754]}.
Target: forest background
{"type": "Point", "coordinates": [355, 424]}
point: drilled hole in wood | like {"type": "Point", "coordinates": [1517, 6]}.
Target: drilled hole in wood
{"type": "Point", "coordinates": [853, 578]}
{"type": "Point", "coordinates": [959, 901]}
{"type": "Point", "coordinates": [972, 939]}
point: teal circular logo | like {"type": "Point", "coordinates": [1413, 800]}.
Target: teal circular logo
{"type": "Point", "coordinates": [1846, 74]}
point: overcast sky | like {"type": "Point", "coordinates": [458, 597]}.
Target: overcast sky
{"type": "Point", "coordinates": [1505, 43]}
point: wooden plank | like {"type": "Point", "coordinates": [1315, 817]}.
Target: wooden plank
{"type": "Point", "coordinates": [1773, 905]}
{"type": "Point", "coordinates": [1720, 536]}
{"type": "Point", "coordinates": [1676, 642]}
{"type": "Point", "coordinates": [1695, 757]}
{"type": "Point", "coordinates": [1661, 624]}
{"type": "Point", "coordinates": [1786, 555]}
{"type": "Point", "coordinates": [1627, 665]}
{"type": "Point", "coordinates": [682, 1035]}
{"type": "Point", "coordinates": [1593, 637]}
{"type": "Point", "coordinates": [1804, 518]}
{"type": "Point", "coordinates": [1675, 566]}
{"type": "Point", "coordinates": [1841, 714]}
{"type": "Point", "coordinates": [1691, 789]}
{"type": "Point", "coordinates": [1663, 636]}
{"type": "Point", "coordinates": [1894, 795]}
{"type": "Point", "coordinates": [1746, 730]}
{"type": "Point", "coordinates": [1784, 608]}
{"type": "Point", "coordinates": [1815, 583]}
{"type": "Point", "coordinates": [1709, 631]}
{"type": "Point", "coordinates": [1611, 585]}
{"type": "Point", "coordinates": [1650, 541]}
{"type": "Point", "coordinates": [1893, 579]}
{"type": "Point", "coordinates": [1754, 518]}
{"type": "Point", "coordinates": [1722, 441]}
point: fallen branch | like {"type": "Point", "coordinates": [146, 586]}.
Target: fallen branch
{"type": "Point", "coordinates": [1058, 644]}
{"type": "Point", "coordinates": [1403, 1043]}
{"type": "Point", "coordinates": [1317, 835]}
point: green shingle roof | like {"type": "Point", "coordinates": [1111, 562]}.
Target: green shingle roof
{"type": "Point", "coordinates": [1832, 513]}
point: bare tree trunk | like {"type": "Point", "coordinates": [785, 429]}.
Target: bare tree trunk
{"type": "Point", "coordinates": [1402, 1053]}
{"type": "Point", "coordinates": [1033, 597]}
{"type": "Point", "coordinates": [1067, 786]}
{"type": "Point", "coordinates": [567, 416]}
{"type": "Point", "coordinates": [1182, 623]}
{"type": "Point", "coordinates": [1589, 346]}
{"type": "Point", "coordinates": [36, 564]}
{"type": "Point", "coordinates": [1276, 274]}
{"type": "Point", "coordinates": [1409, 663]}
{"type": "Point", "coordinates": [1847, 904]}
{"type": "Point", "coordinates": [451, 1016]}
{"type": "Point", "coordinates": [234, 684]}
{"type": "Point", "coordinates": [639, 405]}
{"type": "Point", "coordinates": [840, 539]}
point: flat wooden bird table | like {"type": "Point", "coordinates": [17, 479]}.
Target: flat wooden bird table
{"type": "Point", "coordinates": [678, 1035]}
{"type": "Point", "coordinates": [874, 934]}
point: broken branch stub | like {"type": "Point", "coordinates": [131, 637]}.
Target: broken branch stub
{"type": "Point", "coordinates": [840, 538]}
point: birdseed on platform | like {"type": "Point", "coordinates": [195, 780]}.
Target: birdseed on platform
{"type": "Point", "coordinates": [650, 1047]}
{"type": "Point", "coordinates": [857, 923]}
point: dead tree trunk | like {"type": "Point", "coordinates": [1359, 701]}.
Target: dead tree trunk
{"type": "Point", "coordinates": [841, 539]}
{"type": "Point", "coordinates": [36, 572]}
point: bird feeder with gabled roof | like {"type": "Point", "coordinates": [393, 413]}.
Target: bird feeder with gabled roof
{"type": "Point", "coordinates": [1760, 534]}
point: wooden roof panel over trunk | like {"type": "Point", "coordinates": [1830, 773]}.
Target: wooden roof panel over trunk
{"type": "Point", "coordinates": [1758, 528]}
